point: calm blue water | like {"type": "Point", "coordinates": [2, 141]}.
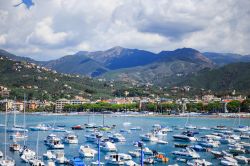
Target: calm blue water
{"type": "Point", "coordinates": [144, 122]}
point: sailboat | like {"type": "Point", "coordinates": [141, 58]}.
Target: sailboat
{"type": "Point", "coordinates": [187, 125]}
{"type": "Point", "coordinates": [103, 127]}
{"type": "Point", "coordinates": [35, 161]}
{"type": "Point", "coordinates": [57, 129]}
{"type": "Point", "coordinates": [241, 128]}
{"type": "Point", "coordinates": [6, 161]}
{"type": "Point", "coordinates": [16, 128]}
{"type": "Point", "coordinates": [126, 122]}
{"type": "Point", "coordinates": [21, 135]}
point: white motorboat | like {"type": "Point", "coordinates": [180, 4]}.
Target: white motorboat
{"type": "Point", "coordinates": [204, 128]}
{"type": "Point", "coordinates": [227, 140]}
{"type": "Point", "coordinates": [49, 155]}
{"type": "Point", "coordinates": [146, 151]}
{"type": "Point", "coordinates": [130, 163]}
{"type": "Point", "coordinates": [58, 129]}
{"type": "Point", "coordinates": [237, 150]}
{"type": "Point", "coordinates": [40, 127]}
{"type": "Point", "coordinates": [228, 161]}
{"type": "Point", "coordinates": [117, 158]}
{"type": "Point", "coordinates": [117, 137]}
{"type": "Point", "coordinates": [15, 147]}
{"type": "Point", "coordinates": [160, 133]}
{"type": "Point", "coordinates": [7, 162]}
{"type": "Point", "coordinates": [242, 159]}
{"type": "Point", "coordinates": [156, 126]}
{"type": "Point", "coordinates": [189, 126]}
{"type": "Point", "coordinates": [213, 137]}
{"type": "Point", "coordinates": [135, 153]}
{"type": "Point", "coordinates": [182, 137]}
{"type": "Point", "coordinates": [198, 162]}
{"type": "Point", "coordinates": [49, 138]}
{"type": "Point", "coordinates": [93, 136]}
{"type": "Point", "coordinates": [162, 142]}
{"type": "Point", "coordinates": [209, 143]}
{"type": "Point", "coordinates": [241, 129]}
{"type": "Point", "coordinates": [27, 155]}
{"type": "Point", "coordinates": [219, 128]}
{"type": "Point", "coordinates": [60, 158]}
{"type": "Point", "coordinates": [86, 151]}
{"type": "Point", "coordinates": [149, 137]}
{"type": "Point", "coordinates": [108, 147]}
{"type": "Point", "coordinates": [18, 135]}
{"type": "Point", "coordinates": [36, 162]}
{"type": "Point", "coordinates": [70, 138]}
{"type": "Point", "coordinates": [55, 144]}
{"type": "Point", "coordinates": [186, 154]}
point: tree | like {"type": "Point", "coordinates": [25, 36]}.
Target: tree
{"type": "Point", "coordinates": [213, 107]}
{"type": "Point", "coordinates": [245, 105]}
{"type": "Point", "coordinates": [233, 106]}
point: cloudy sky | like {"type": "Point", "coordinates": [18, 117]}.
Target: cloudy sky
{"type": "Point", "coordinates": [53, 28]}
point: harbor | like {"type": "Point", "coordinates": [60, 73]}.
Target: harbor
{"type": "Point", "coordinates": [166, 140]}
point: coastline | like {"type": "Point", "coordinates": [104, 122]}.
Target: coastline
{"type": "Point", "coordinates": [184, 115]}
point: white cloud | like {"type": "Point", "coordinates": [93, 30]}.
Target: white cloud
{"type": "Point", "coordinates": [44, 34]}
{"type": "Point", "coordinates": [2, 39]}
{"type": "Point", "coordinates": [54, 28]}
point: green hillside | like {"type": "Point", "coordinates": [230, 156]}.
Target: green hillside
{"type": "Point", "coordinates": [36, 82]}
{"type": "Point", "coordinates": [227, 78]}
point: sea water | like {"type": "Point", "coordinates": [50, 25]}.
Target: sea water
{"type": "Point", "coordinates": [137, 121]}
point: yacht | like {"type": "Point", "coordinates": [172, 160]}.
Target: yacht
{"type": "Point", "coordinates": [188, 126]}
{"type": "Point", "coordinates": [187, 137]}
{"type": "Point", "coordinates": [186, 154]}
{"type": "Point", "coordinates": [92, 137]}
{"type": "Point", "coordinates": [108, 147]}
{"type": "Point", "coordinates": [209, 143]}
{"type": "Point", "coordinates": [60, 158]}
{"type": "Point", "coordinates": [40, 127]}
{"type": "Point", "coordinates": [70, 138]}
{"type": "Point", "coordinates": [15, 147]}
{"type": "Point", "coordinates": [149, 137]}
{"type": "Point", "coordinates": [146, 151]}
{"type": "Point", "coordinates": [7, 162]}
{"type": "Point", "coordinates": [55, 144]}
{"type": "Point", "coordinates": [49, 155]}
{"type": "Point", "coordinates": [241, 129]}
{"type": "Point", "coordinates": [229, 161]}
{"type": "Point", "coordinates": [58, 129]}
{"type": "Point", "coordinates": [117, 137]}
{"type": "Point", "coordinates": [117, 158]}
{"type": "Point", "coordinates": [86, 151]}
{"type": "Point", "coordinates": [36, 162]}
{"type": "Point", "coordinates": [18, 135]}
{"type": "Point", "coordinates": [135, 153]}
{"type": "Point", "coordinates": [27, 154]}
{"type": "Point", "coordinates": [198, 162]}
{"type": "Point", "coordinates": [161, 132]}
{"type": "Point", "coordinates": [49, 138]}
{"type": "Point", "coordinates": [242, 159]}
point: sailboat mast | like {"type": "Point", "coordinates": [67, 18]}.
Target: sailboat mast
{"type": "Point", "coordinates": [24, 117]}
{"type": "Point", "coordinates": [37, 142]}
{"type": "Point", "coordinates": [14, 124]}
{"type": "Point", "coordinates": [5, 132]}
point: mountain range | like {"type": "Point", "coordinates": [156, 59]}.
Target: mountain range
{"type": "Point", "coordinates": [134, 65]}
{"type": "Point", "coordinates": [218, 72]}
